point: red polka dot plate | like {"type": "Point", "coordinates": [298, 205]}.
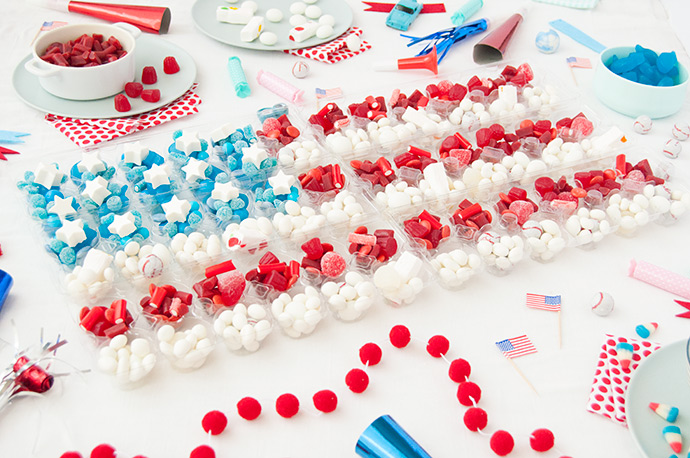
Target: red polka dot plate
{"type": "Point", "coordinates": [151, 51]}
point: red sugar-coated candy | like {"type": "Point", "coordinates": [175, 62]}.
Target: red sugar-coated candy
{"type": "Point", "coordinates": [502, 443]}
{"type": "Point", "coordinates": [475, 419]}
{"type": "Point", "coordinates": [231, 285]}
{"type": "Point", "coordinates": [332, 264]}
{"type": "Point", "coordinates": [103, 451]}
{"type": "Point", "coordinates": [582, 125]}
{"type": "Point", "coordinates": [325, 401]}
{"type": "Point", "coordinates": [522, 209]}
{"type": "Point", "coordinates": [151, 95]}
{"type": "Point", "coordinates": [270, 124]}
{"type": "Point", "coordinates": [134, 89]}
{"type": "Point", "coordinates": [457, 92]}
{"type": "Point", "coordinates": [248, 408]}
{"type": "Point", "coordinates": [122, 103]}
{"type": "Point", "coordinates": [214, 421]}
{"type": "Point", "coordinates": [357, 380]}
{"type": "Point", "coordinates": [541, 440]}
{"type": "Point", "coordinates": [370, 354]}
{"type": "Point", "coordinates": [437, 346]}
{"type": "Point", "coordinates": [399, 336]}
{"type": "Point", "coordinates": [459, 370]}
{"type": "Point", "coordinates": [170, 65]}
{"type": "Point", "coordinates": [469, 393]}
{"type": "Point", "coordinates": [71, 455]}
{"type": "Point", "coordinates": [148, 75]}
{"type": "Point", "coordinates": [287, 405]}
{"type": "Point", "coordinates": [203, 451]}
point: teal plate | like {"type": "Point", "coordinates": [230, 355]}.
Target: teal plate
{"type": "Point", "coordinates": [662, 377]}
{"type": "Point", "coordinates": [151, 51]}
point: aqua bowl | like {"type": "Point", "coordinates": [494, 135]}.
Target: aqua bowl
{"type": "Point", "coordinates": [635, 99]}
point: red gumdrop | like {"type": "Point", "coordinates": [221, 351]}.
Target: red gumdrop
{"type": "Point", "coordinates": [231, 286]}
{"type": "Point", "coordinates": [287, 405]}
{"type": "Point", "coordinates": [475, 419]}
{"type": "Point", "coordinates": [502, 443]}
{"type": "Point", "coordinates": [148, 75]}
{"type": "Point", "coordinates": [170, 65]}
{"type": "Point", "coordinates": [332, 264]}
{"type": "Point", "coordinates": [399, 336]}
{"type": "Point", "coordinates": [370, 354]}
{"type": "Point", "coordinates": [270, 124]}
{"type": "Point", "coordinates": [357, 380]}
{"type": "Point", "coordinates": [103, 451]}
{"type": "Point", "coordinates": [522, 209]}
{"type": "Point", "coordinates": [122, 103]}
{"type": "Point", "coordinates": [248, 408]}
{"type": "Point", "coordinates": [469, 393]}
{"type": "Point", "coordinates": [583, 125]}
{"type": "Point", "coordinates": [133, 89]}
{"type": "Point", "coordinates": [325, 401]}
{"type": "Point", "coordinates": [438, 346]}
{"type": "Point", "coordinates": [215, 422]}
{"type": "Point", "coordinates": [151, 95]}
{"type": "Point", "coordinates": [71, 455]}
{"type": "Point", "coordinates": [203, 451]}
{"type": "Point", "coordinates": [541, 440]}
{"type": "Point", "coordinates": [459, 370]}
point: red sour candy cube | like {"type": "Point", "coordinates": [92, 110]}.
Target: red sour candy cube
{"type": "Point", "coordinates": [134, 90]}
{"type": "Point", "coordinates": [151, 95]}
{"type": "Point", "coordinates": [122, 103]}
{"type": "Point", "coordinates": [170, 65]}
{"type": "Point", "coordinates": [332, 264]}
{"type": "Point", "coordinates": [148, 75]}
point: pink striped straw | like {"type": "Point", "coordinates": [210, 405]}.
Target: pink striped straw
{"type": "Point", "coordinates": [660, 277]}
{"type": "Point", "coordinates": [279, 86]}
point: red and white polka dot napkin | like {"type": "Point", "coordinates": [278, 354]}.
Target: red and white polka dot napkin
{"type": "Point", "coordinates": [611, 381]}
{"type": "Point", "coordinates": [89, 132]}
{"type": "Point", "coordinates": [333, 51]}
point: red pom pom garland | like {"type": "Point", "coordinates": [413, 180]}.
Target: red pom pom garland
{"type": "Point", "coordinates": [203, 451]}
{"type": "Point", "coordinates": [214, 422]}
{"type": "Point", "coordinates": [249, 408]}
{"type": "Point", "coordinates": [370, 354]}
{"type": "Point", "coordinates": [103, 451]}
{"type": "Point", "coordinates": [502, 443]}
{"type": "Point", "coordinates": [399, 336]}
{"type": "Point", "coordinates": [325, 401]}
{"type": "Point", "coordinates": [71, 455]}
{"type": "Point", "coordinates": [287, 405]}
{"type": "Point", "coordinates": [357, 380]}
{"type": "Point", "coordinates": [475, 419]}
{"type": "Point", "coordinates": [469, 394]}
{"type": "Point", "coordinates": [438, 346]}
{"type": "Point", "coordinates": [459, 370]}
{"type": "Point", "coordinates": [541, 440]}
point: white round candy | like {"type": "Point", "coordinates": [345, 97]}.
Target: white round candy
{"type": "Point", "coordinates": [681, 131]}
{"type": "Point", "coordinates": [300, 69]}
{"type": "Point", "coordinates": [324, 31]}
{"type": "Point", "coordinates": [166, 333]}
{"type": "Point", "coordinates": [268, 38]}
{"type": "Point", "coordinates": [298, 8]}
{"type": "Point", "coordinates": [327, 19]}
{"type": "Point", "coordinates": [140, 347]}
{"type": "Point", "coordinates": [118, 342]}
{"type": "Point", "coordinates": [274, 15]}
{"type": "Point", "coordinates": [297, 19]}
{"type": "Point", "coordinates": [312, 12]}
{"type": "Point", "coordinates": [132, 248]}
{"type": "Point", "coordinates": [602, 304]}
{"type": "Point", "coordinates": [151, 266]}
{"type": "Point", "coordinates": [250, 5]}
{"type": "Point", "coordinates": [672, 149]}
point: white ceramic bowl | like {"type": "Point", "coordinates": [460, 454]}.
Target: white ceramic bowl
{"type": "Point", "coordinates": [85, 83]}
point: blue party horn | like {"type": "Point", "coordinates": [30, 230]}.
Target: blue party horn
{"type": "Point", "coordinates": [5, 286]}
{"type": "Point", "coordinates": [384, 438]}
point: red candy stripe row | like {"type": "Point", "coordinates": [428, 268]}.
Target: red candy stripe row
{"type": "Point", "coordinates": [106, 322]}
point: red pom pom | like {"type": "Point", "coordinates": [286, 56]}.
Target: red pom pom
{"type": "Point", "coordinates": [287, 405]}
{"type": "Point", "coordinates": [103, 451]}
{"type": "Point", "coordinates": [437, 346]}
{"type": "Point", "coordinates": [215, 422]}
{"type": "Point", "coordinates": [370, 354]}
{"type": "Point", "coordinates": [541, 440]}
{"type": "Point", "coordinates": [203, 451]}
{"type": "Point", "coordinates": [357, 380]}
{"type": "Point", "coordinates": [325, 401]}
{"type": "Point", "coordinates": [399, 336]}
{"type": "Point", "coordinates": [469, 393]}
{"type": "Point", "coordinates": [248, 408]}
{"type": "Point", "coordinates": [502, 443]}
{"type": "Point", "coordinates": [71, 455]}
{"type": "Point", "coordinates": [459, 370]}
{"type": "Point", "coordinates": [475, 419]}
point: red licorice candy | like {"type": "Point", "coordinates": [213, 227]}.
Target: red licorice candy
{"type": "Point", "coordinates": [106, 321]}
{"type": "Point", "coordinates": [378, 173]}
{"type": "Point", "coordinates": [280, 129]}
{"type": "Point", "coordinates": [381, 245]}
{"type": "Point", "coordinates": [471, 215]}
{"type": "Point", "coordinates": [373, 108]}
{"type": "Point", "coordinates": [414, 158]}
{"type": "Point", "coordinates": [516, 203]}
{"type": "Point", "coordinates": [321, 259]}
{"type": "Point", "coordinates": [166, 303]}
{"type": "Point", "coordinates": [85, 51]}
{"type": "Point", "coordinates": [415, 100]}
{"type": "Point", "coordinates": [330, 118]}
{"type": "Point", "coordinates": [641, 171]}
{"type": "Point", "coordinates": [223, 285]}
{"type": "Point", "coordinates": [323, 179]}
{"type": "Point", "coordinates": [446, 90]}
{"type": "Point", "coordinates": [427, 229]}
{"type": "Point", "coordinates": [271, 272]}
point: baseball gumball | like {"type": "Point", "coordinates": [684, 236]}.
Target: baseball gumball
{"type": "Point", "coordinates": [681, 131]}
{"type": "Point", "coordinates": [151, 266]}
{"type": "Point", "coordinates": [300, 69]}
{"type": "Point", "coordinates": [602, 304]}
{"type": "Point", "coordinates": [642, 125]}
{"type": "Point", "coordinates": [672, 148]}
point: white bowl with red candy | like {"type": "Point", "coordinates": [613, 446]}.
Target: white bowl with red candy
{"type": "Point", "coordinates": [69, 64]}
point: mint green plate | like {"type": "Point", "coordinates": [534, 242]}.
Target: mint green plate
{"type": "Point", "coordinates": [662, 377]}
{"type": "Point", "coordinates": [150, 51]}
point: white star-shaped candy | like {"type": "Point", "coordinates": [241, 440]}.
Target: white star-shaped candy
{"type": "Point", "coordinates": [71, 232]}
{"type": "Point", "coordinates": [62, 207]}
{"type": "Point", "coordinates": [281, 183]}
{"type": "Point", "coordinates": [90, 163]}
{"type": "Point", "coordinates": [222, 132]}
{"type": "Point", "coordinates": [225, 192]}
{"type": "Point", "coordinates": [253, 154]}
{"type": "Point", "coordinates": [123, 225]}
{"type": "Point", "coordinates": [188, 142]}
{"type": "Point", "coordinates": [195, 170]}
{"type": "Point", "coordinates": [97, 261]}
{"type": "Point", "coordinates": [47, 175]}
{"type": "Point", "coordinates": [134, 153]}
{"type": "Point", "coordinates": [96, 190]}
{"type": "Point", "coordinates": [157, 175]}
{"type": "Point", "coordinates": [176, 210]}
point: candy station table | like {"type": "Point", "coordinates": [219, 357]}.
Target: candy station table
{"type": "Point", "coordinates": [161, 415]}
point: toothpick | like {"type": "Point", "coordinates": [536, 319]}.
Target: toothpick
{"type": "Point", "coordinates": [517, 369]}
{"type": "Point", "coordinates": [560, 338]}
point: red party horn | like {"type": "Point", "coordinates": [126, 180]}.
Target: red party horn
{"type": "Point", "coordinates": [492, 47]}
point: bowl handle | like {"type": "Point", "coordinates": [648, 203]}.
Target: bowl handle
{"type": "Point", "coordinates": [33, 68]}
{"type": "Point", "coordinates": [135, 31]}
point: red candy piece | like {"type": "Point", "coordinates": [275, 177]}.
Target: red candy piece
{"type": "Point", "coordinates": [148, 75]}
{"type": "Point", "coordinates": [71, 455]}
{"type": "Point", "coordinates": [399, 336]}
{"type": "Point", "coordinates": [475, 419]}
{"type": "Point", "coordinates": [231, 287]}
{"type": "Point", "coordinates": [133, 90]}
{"type": "Point", "coordinates": [203, 451]}
{"type": "Point", "coordinates": [332, 264]}
{"type": "Point", "coordinates": [325, 401]}
{"type": "Point", "coordinates": [151, 95]}
{"type": "Point", "coordinates": [170, 65]}
{"type": "Point", "coordinates": [85, 51]}
{"type": "Point", "coordinates": [103, 451]}
{"type": "Point", "coordinates": [370, 354]}
{"type": "Point", "coordinates": [357, 380]}
{"type": "Point", "coordinates": [122, 103]}
{"type": "Point", "coordinates": [522, 209]}
{"type": "Point", "coordinates": [214, 422]}
{"type": "Point", "coordinates": [249, 408]}
{"type": "Point", "coordinates": [502, 443]}
{"type": "Point", "coordinates": [541, 440]}
{"type": "Point", "coordinates": [437, 346]}
{"type": "Point", "coordinates": [287, 405]}
{"type": "Point", "coordinates": [459, 370]}
{"type": "Point", "coordinates": [469, 393]}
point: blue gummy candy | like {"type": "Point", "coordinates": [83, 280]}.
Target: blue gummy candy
{"type": "Point", "coordinates": [632, 76]}
{"type": "Point", "coordinates": [144, 232]}
{"type": "Point", "coordinates": [39, 213]}
{"type": "Point", "coordinates": [67, 256]}
{"type": "Point", "coordinates": [222, 177]}
{"type": "Point", "coordinates": [218, 204]}
{"type": "Point", "coordinates": [108, 219]}
{"type": "Point", "coordinates": [204, 145]}
{"type": "Point", "coordinates": [194, 206]}
{"type": "Point", "coordinates": [170, 229]}
{"type": "Point", "coordinates": [240, 145]}
{"type": "Point", "coordinates": [249, 168]}
{"type": "Point", "coordinates": [137, 217]}
{"type": "Point", "coordinates": [238, 203]}
{"type": "Point", "coordinates": [194, 218]}
{"type": "Point", "coordinates": [87, 176]}
{"type": "Point", "coordinates": [52, 194]}
{"type": "Point", "coordinates": [38, 201]}
{"type": "Point", "coordinates": [29, 176]}
{"type": "Point", "coordinates": [224, 213]}
{"type": "Point", "coordinates": [294, 194]}
{"type": "Point", "coordinates": [242, 214]}
{"type": "Point", "coordinates": [666, 61]}
{"type": "Point", "coordinates": [109, 173]}
{"type": "Point", "coordinates": [56, 245]}
{"type": "Point", "coordinates": [137, 237]}
{"type": "Point", "coordinates": [268, 163]}
{"type": "Point", "coordinates": [236, 136]}
{"type": "Point", "coordinates": [234, 163]}
{"type": "Point", "coordinates": [649, 55]}
{"type": "Point", "coordinates": [114, 204]}
{"type": "Point", "coordinates": [177, 134]}
{"type": "Point", "coordinates": [666, 81]}
{"type": "Point", "coordinates": [114, 188]}
{"type": "Point", "coordinates": [53, 221]}
{"type": "Point", "coordinates": [268, 195]}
